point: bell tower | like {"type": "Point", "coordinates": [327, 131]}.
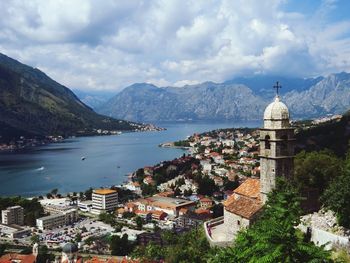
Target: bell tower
{"type": "Point", "coordinates": [276, 145]}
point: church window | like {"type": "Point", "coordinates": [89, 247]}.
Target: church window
{"type": "Point", "coordinates": [267, 142]}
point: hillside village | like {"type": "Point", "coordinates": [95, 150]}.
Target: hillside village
{"type": "Point", "coordinates": [177, 195]}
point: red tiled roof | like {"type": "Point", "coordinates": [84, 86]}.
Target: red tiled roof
{"type": "Point", "coordinates": [17, 257]}
{"type": "Point", "coordinates": [249, 188]}
{"type": "Point", "coordinates": [110, 260]}
{"type": "Point", "coordinates": [205, 199]}
{"type": "Point", "coordinates": [158, 212]}
{"type": "Point", "coordinates": [244, 206]}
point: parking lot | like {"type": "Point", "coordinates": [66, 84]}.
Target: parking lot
{"type": "Point", "coordinates": [86, 227]}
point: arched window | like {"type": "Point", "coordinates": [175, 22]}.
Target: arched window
{"type": "Point", "coordinates": [267, 142]}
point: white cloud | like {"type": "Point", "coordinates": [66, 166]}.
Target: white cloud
{"type": "Point", "coordinates": [111, 44]}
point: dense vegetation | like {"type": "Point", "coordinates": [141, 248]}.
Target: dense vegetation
{"type": "Point", "coordinates": [337, 195]}
{"type": "Point", "coordinates": [330, 175]}
{"type": "Point", "coordinates": [187, 247]}
{"type": "Point", "coordinates": [333, 135]}
{"type": "Point", "coordinates": [32, 208]}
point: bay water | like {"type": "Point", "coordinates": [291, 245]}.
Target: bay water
{"type": "Point", "coordinates": [108, 159]}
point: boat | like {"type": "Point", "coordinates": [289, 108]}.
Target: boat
{"type": "Point", "coordinates": [41, 168]}
{"type": "Point", "coordinates": [83, 158]}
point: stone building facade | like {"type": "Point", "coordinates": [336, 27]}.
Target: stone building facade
{"type": "Point", "coordinates": [276, 147]}
{"type": "Point", "coordinates": [242, 208]}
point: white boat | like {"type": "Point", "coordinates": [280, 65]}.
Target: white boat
{"type": "Point", "coordinates": [83, 158]}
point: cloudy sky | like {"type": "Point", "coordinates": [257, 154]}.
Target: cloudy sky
{"type": "Point", "coordinates": [108, 45]}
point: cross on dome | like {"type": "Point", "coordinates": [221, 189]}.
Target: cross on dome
{"type": "Point", "coordinates": [277, 87]}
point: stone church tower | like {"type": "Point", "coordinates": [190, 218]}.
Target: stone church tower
{"type": "Point", "coordinates": [276, 146]}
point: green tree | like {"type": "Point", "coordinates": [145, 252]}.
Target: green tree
{"type": "Point", "coordinates": [44, 255]}
{"type": "Point", "coordinates": [2, 249]}
{"type": "Point", "coordinates": [139, 222]}
{"type": "Point", "coordinates": [34, 239]}
{"type": "Point", "coordinates": [187, 247]}
{"type": "Point", "coordinates": [88, 194]}
{"type": "Point", "coordinates": [274, 237]}
{"type": "Point", "coordinates": [107, 218]}
{"type": "Point", "coordinates": [316, 169]}
{"type": "Point", "coordinates": [337, 196]}
{"type": "Point", "coordinates": [54, 191]}
{"type": "Point", "coordinates": [78, 237]}
{"type": "Point", "coordinates": [120, 246]}
{"type": "Point", "coordinates": [206, 185]}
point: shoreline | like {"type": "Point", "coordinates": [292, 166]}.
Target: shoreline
{"type": "Point", "coordinates": [24, 144]}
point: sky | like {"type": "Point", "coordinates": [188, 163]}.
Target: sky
{"type": "Point", "coordinates": [97, 45]}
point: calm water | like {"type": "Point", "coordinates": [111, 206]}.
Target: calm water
{"type": "Point", "coordinates": [108, 158]}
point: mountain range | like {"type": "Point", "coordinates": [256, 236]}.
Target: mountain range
{"type": "Point", "coordinates": [33, 104]}
{"type": "Point", "coordinates": [237, 99]}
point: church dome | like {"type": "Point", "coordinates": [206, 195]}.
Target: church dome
{"type": "Point", "coordinates": [277, 110]}
{"type": "Point", "coordinates": [70, 248]}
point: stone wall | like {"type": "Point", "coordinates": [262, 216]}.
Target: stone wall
{"type": "Point", "coordinates": [234, 223]}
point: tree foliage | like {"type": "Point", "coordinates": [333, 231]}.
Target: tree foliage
{"type": "Point", "coordinates": [187, 247]}
{"type": "Point", "coordinates": [120, 246]}
{"type": "Point", "coordinates": [107, 218]}
{"type": "Point", "coordinates": [274, 237]}
{"type": "Point", "coordinates": [316, 169]}
{"type": "Point", "coordinates": [337, 196]}
{"type": "Point", "coordinates": [206, 185]}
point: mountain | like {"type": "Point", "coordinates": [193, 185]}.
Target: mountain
{"type": "Point", "coordinates": [237, 99]}
{"type": "Point", "coordinates": [94, 99]}
{"type": "Point", "coordinates": [333, 135]}
{"type": "Point", "coordinates": [261, 84]}
{"type": "Point", "coordinates": [328, 96]}
{"type": "Point", "coordinates": [207, 101]}
{"type": "Point", "coordinates": [31, 104]}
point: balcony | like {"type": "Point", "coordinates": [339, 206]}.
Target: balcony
{"type": "Point", "coordinates": [216, 233]}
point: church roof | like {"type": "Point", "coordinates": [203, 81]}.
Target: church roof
{"type": "Point", "coordinates": [276, 110]}
{"type": "Point", "coordinates": [249, 188]}
{"type": "Point", "coordinates": [244, 206]}
{"type": "Point", "coordinates": [70, 248]}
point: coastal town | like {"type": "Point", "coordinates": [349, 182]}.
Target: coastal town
{"type": "Point", "coordinates": [179, 195]}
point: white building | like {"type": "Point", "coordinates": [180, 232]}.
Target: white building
{"type": "Point", "coordinates": [104, 200]}
{"type": "Point", "coordinates": [85, 206]}
{"type": "Point", "coordinates": [57, 220]}
{"type": "Point", "coordinates": [13, 215]}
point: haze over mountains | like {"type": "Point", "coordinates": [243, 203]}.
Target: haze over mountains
{"type": "Point", "coordinates": [237, 99]}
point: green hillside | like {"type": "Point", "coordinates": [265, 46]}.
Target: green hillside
{"type": "Point", "coordinates": [31, 103]}
{"type": "Point", "coordinates": [333, 135]}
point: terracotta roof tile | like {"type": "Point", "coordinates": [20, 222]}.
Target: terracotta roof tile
{"type": "Point", "coordinates": [17, 257]}
{"type": "Point", "coordinates": [245, 207]}
{"type": "Point", "coordinates": [249, 188]}
{"type": "Point", "coordinates": [104, 191]}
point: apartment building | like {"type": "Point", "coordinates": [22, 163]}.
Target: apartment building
{"type": "Point", "coordinates": [57, 220]}
{"type": "Point", "coordinates": [104, 200]}
{"type": "Point", "coordinates": [13, 215]}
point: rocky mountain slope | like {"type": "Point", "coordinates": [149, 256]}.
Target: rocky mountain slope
{"type": "Point", "coordinates": [31, 103]}
{"type": "Point", "coordinates": [238, 99]}
{"type": "Point", "coordinates": [329, 95]}
{"type": "Point", "coordinates": [207, 101]}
